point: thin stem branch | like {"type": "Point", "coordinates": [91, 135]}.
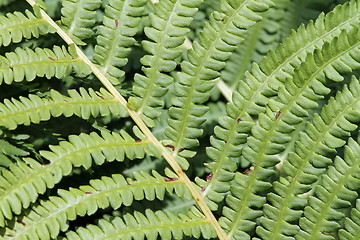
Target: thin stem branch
{"type": "Point", "coordinates": [140, 123]}
{"type": "Point", "coordinates": [224, 89]}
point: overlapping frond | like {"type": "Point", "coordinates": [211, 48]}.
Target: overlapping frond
{"type": "Point", "coordinates": [250, 97]}
{"type": "Point", "coordinates": [21, 184]}
{"type": "Point", "coordinates": [116, 36]}
{"type": "Point", "coordinates": [16, 26]}
{"type": "Point", "coordinates": [260, 38]}
{"type": "Point", "coordinates": [266, 77]}
{"type": "Point", "coordinates": [308, 160]}
{"type": "Point", "coordinates": [280, 168]}
{"type": "Point", "coordinates": [169, 26]}
{"type": "Point", "coordinates": [352, 225]}
{"type": "Point", "coordinates": [26, 64]}
{"type": "Point", "coordinates": [78, 18]}
{"type": "Point", "coordinates": [241, 203]}
{"type": "Point", "coordinates": [218, 40]}
{"type": "Point", "coordinates": [9, 151]}
{"type": "Point", "coordinates": [150, 225]}
{"type": "Point", "coordinates": [337, 191]}
{"type": "Point", "coordinates": [82, 103]}
{"type": "Point", "coordinates": [46, 219]}
{"type": "Point", "coordinates": [296, 97]}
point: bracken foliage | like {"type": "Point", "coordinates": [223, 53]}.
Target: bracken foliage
{"type": "Point", "coordinates": [179, 119]}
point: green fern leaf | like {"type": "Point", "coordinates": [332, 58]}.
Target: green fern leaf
{"type": "Point", "coordinates": [79, 151]}
{"type": "Point", "coordinates": [9, 149]}
{"type": "Point", "coordinates": [34, 109]}
{"type": "Point", "coordinates": [260, 38]}
{"type": "Point", "coordinates": [298, 96]}
{"type": "Point", "coordinates": [169, 22]}
{"type": "Point", "coordinates": [150, 225]}
{"type": "Point", "coordinates": [120, 24]}
{"type": "Point", "coordinates": [352, 225]}
{"type": "Point", "coordinates": [27, 64]}
{"type": "Point", "coordinates": [78, 16]}
{"type": "Point", "coordinates": [282, 162]}
{"type": "Point", "coordinates": [250, 97]}
{"type": "Point", "coordinates": [16, 26]}
{"type": "Point", "coordinates": [303, 166]}
{"type": "Point", "coordinates": [338, 190]}
{"type": "Point", "coordinates": [225, 31]}
{"type": "Point", "coordinates": [9, 152]}
{"type": "Point", "coordinates": [114, 191]}
{"type": "Point", "coordinates": [272, 131]}
{"type": "Point", "coordinates": [276, 68]}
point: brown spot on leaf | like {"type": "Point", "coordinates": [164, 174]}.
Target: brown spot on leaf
{"type": "Point", "coordinates": [21, 222]}
{"type": "Point", "coordinates": [171, 179]}
{"type": "Point", "coordinates": [170, 146]}
{"type": "Point", "coordinates": [277, 114]}
{"type": "Point", "coordinates": [249, 170]}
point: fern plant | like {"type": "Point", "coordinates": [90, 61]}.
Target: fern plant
{"type": "Point", "coordinates": [179, 119]}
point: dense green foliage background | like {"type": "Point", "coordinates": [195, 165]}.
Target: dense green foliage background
{"type": "Point", "coordinates": [155, 78]}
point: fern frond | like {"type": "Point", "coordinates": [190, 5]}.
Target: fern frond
{"type": "Point", "coordinates": [51, 216]}
{"type": "Point", "coordinates": [276, 68]}
{"type": "Point", "coordinates": [276, 124]}
{"type": "Point", "coordinates": [28, 64]}
{"type": "Point", "coordinates": [16, 26]}
{"type": "Point", "coordinates": [120, 24]}
{"type": "Point", "coordinates": [249, 99]}
{"type": "Point", "coordinates": [142, 126]}
{"type": "Point", "coordinates": [169, 27]}
{"type": "Point", "coordinates": [308, 160]}
{"type": "Point", "coordinates": [216, 43]}
{"type": "Point", "coordinates": [34, 109]}
{"type": "Point", "coordinates": [352, 225]}
{"type": "Point", "coordinates": [239, 203]}
{"type": "Point", "coordinates": [78, 17]}
{"type": "Point", "coordinates": [272, 131]}
{"type": "Point", "coordinates": [8, 149]}
{"type": "Point", "coordinates": [150, 225]}
{"type": "Point", "coordinates": [338, 190]}
{"type": "Point", "coordinates": [32, 178]}
{"type": "Point", "coordinates": [297, 97]}
{"type": "Point", "coordinates": [260, 38]}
